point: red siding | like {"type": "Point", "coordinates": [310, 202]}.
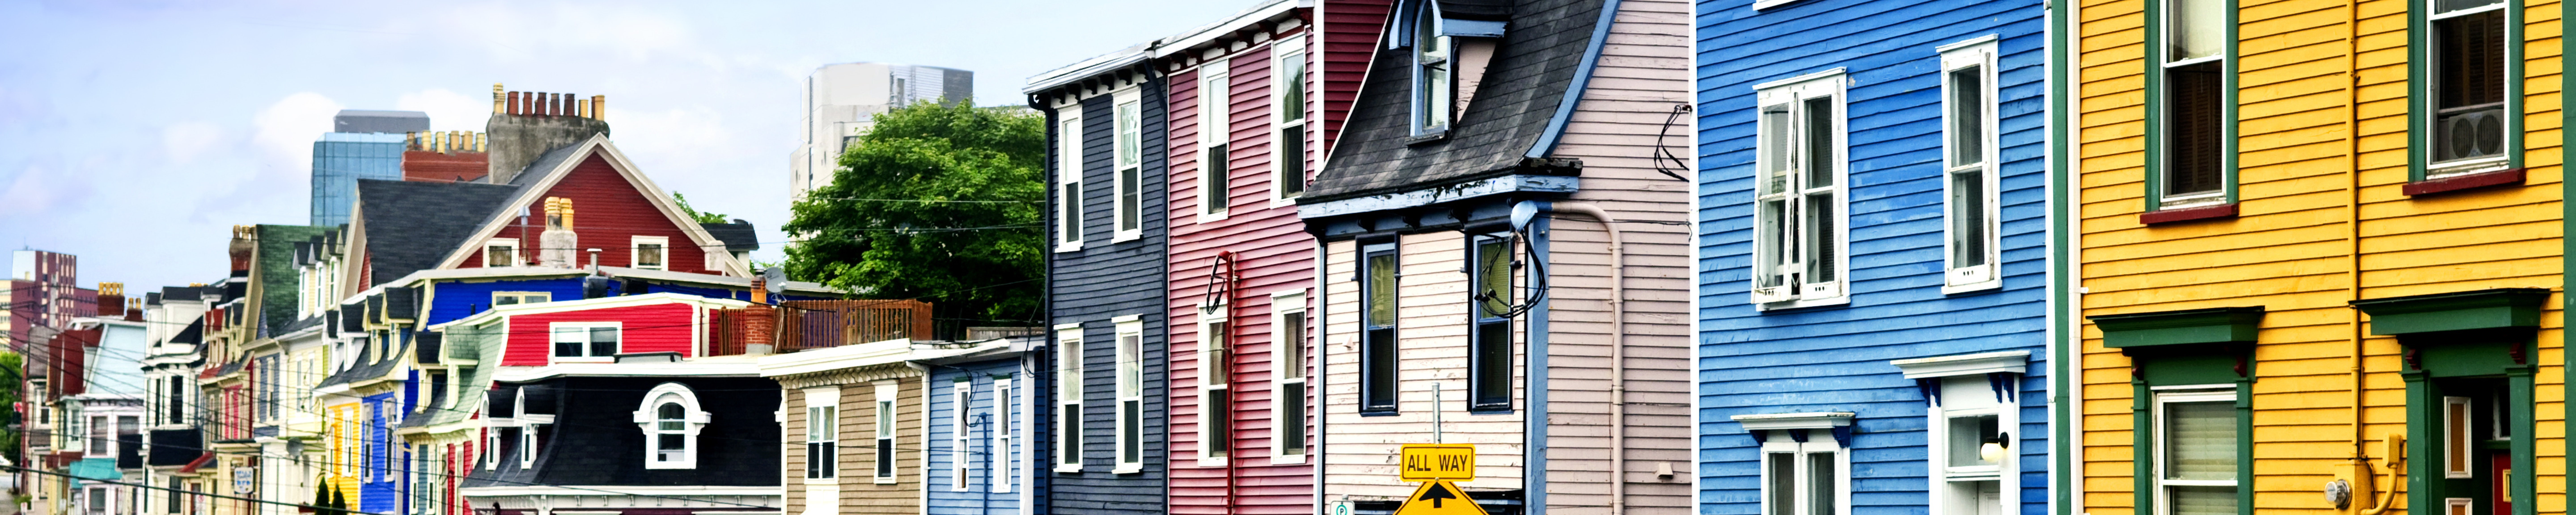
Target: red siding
{"type": "Point", "coordinates": [607, 211]}
{"type": "Point", "coordinates": [1351, 29]}
{"type": "Point", "coordinates": [651, 328]}
{"type": "Point", "coordinates": [1277, 256]}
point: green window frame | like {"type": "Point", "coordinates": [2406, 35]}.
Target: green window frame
{"type": "Point", "coordinates": [2426, 29]}
{"type": "Point", "coordinates": [2183, 357]}
{"type": "Point", "coordinates": [2158, 66]}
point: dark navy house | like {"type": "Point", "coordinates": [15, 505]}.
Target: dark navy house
{"type": "Point", "coordinates": [1872, 257]}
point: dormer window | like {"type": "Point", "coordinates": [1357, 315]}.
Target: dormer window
{"type": "Point", "coordinates": [1433, 83]}
{"type": "Point", "coordinates": [671, 420]}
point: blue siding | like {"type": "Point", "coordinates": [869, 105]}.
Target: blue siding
{"type": "Point", "coordinates": [455, 300]}
{"type": "Point", "coordinates": [1104, 280]}
{"type": "Point", "coordinates": [1836, 358]}
{"type": "Point", "coordinates": [380, 494]}
{"type": "Point", "coordinates": [982, 457]}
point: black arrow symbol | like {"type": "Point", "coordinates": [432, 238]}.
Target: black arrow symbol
{"type": "Point", "coordinates": [1436, 493]}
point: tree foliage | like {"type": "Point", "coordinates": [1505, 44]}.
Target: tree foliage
{"type": "Point", "coordinates": [938, 203]}
{"type": "Point", "coordinates": [694, 214]}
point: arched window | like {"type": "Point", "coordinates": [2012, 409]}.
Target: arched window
{"type": "Point", "coordinates": [670, 420]}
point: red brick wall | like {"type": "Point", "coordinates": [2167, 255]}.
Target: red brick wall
{"type": "Point", "coordinates": [441, 167]}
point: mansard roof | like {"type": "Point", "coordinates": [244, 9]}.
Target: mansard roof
{"type": "Point", "coordinates": [1502, 127]}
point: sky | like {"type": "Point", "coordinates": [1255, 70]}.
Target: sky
{"type": "Point", "coordinates": [134, 133]}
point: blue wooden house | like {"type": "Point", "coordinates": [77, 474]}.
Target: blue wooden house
{"type": "Point", "coordinates": [980, 407]}
{"type": "Point", "coordinates": [1872, 245]}
{"type": "Point", "coordinates": [1105, 285]}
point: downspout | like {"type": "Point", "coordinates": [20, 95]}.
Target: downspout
{"type": "Point", "coordinates": [1039, 388]}
{"type": "Point", "coordinates": [2352, 231]}
{"type": "Point", "coordinates": [1534, 422]}
{"type": "Point", "coordinates": [1574, 90]}
{"type": "Point", "coordinates": [1618, 350]}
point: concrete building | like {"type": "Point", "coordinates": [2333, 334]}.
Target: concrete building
{"type": "Point", "coordinates": [362, 145]}
{"type": "Point", "coordinates": [42, 291]}
{"type": "Point", "coordinates": [841, 101]}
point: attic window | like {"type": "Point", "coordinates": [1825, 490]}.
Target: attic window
{"type": "Point", "coordinates": [501, 252]}
{"type": "Point", "coordinates": [670, 420]}
{"type": "Point", "coordinates": [651, 252]}
{"type": "Point", "coordinates": [1432, 82]}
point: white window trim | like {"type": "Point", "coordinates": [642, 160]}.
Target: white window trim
{"type": "Point", "coordinates": [1937, 436]}
{"type": "Point", "coordinates": [1209, 317]}
{"type": "Point", "coordinates": [512, 243]}
{"type": "Point", "coordinates": [648, 416]}
{"type": "Point", "coordinates": [1281, 304]}
{"type": "Point", "coordinates": [2457, 444]}
{"type": "Point", "coordinates": [1291, 47]}
{"type": "Point", "coordinates": [1216, 127]}
{"type": "Point", "coordinates": [1068, 349]}
{"type": "Point", "coordinates": [2226, 141]}
{"type": "Point", "coordinates": [1118, 170]}
{"type": "Point", "coordinates": [2513, 90]}
{"type": "Point", "coordinates": [527, 445]}
{"type": "Point", "coordinates": [1759, 5]}
{"type": "Point", "coordinates": [522, 296]}
{"type": "Point", "coordinates": [961, 398]}
{"type": "Point", "coordinates": [2157, 462]}
{"type": "Point", "coordinates": [1829, 82]}
{"type": "Point", "coordinates": [886, 407]}
{"type": "Point", "coordinates": [820, 399]}
{"type": "Point", "coordinates": [635, 251]}
{"type": "Point", "coordinates": [1779, 442]}
{"type": "Point", "coordinates": [1069, 154]}
{"type": "Point", "coordinates": [1979, 52]}
{"type": "Point", "coordinates": [1128, 325]}
{"type": "Point", "coordinates": [551, 327]}
{"type": "Point", "coordinates": [999, 472]}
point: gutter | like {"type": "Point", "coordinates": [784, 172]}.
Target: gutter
{"type": "Point", "coordinates": [1582, 79]}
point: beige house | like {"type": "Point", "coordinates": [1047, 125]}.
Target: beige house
{"type": "Point", "coordinates": [1491, 254]}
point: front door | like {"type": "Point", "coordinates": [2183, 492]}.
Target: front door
{"type": "Point", "coordinates": [2474, 455]}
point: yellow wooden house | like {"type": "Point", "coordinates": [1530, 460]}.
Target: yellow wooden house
{"type": "Point", "coordinates": [2313, 257]}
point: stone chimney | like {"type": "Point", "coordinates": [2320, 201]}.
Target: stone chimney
{"type": "Point", "coordinates": [556, 247]}
{"type": "Point", "coordinates": [526, 124]}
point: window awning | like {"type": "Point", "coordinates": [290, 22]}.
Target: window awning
{"type": "Point", "coordinates": [101, 469]}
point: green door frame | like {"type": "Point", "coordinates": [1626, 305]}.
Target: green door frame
{"type": "Point", "coordinates": [2482, 333]}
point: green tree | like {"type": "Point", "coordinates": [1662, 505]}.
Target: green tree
{"type": "Point", "coordinates": [694, 214]}
{"type": "Point", "coordinates": [938, 203]}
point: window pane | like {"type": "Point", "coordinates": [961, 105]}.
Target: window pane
{"type": "Point", "coordinates": [648, 254]}
{"type": "Point", "coordinates": [1072, 447]}
{"type": "Point", "coordinates": [1131, 199]}
{"type": "Point", "coordinates": [670, 442]}
{"type": "Point", "coordinates": [1291, 344]}
{"type": "Point", "coordinates": [2193, 130]}
{"type": "Point", "coordinates": [2196, 28]}
{"type": "Point", "coordinates": [1773, 243]}
{"type": "Point", "coordinates": [1292, 161]}
{"type": "Point", "coordinates": [1219, 419]}
{"type": "Point", "coordinates": [885, 457]}
{"type": "Point", "coordinates": [496, 256]}
{"type": "Point", "coordinates": [2200, 441]}
{"type": "Point", "coordinates": [1968, 218]}
{"type": "Point", "coordinates": [1072, 216]}
{"type": "Point", "coordinates": [603, 341]}
{"type": "Point", "coordinates": [2202, 500]}
{"type": "Point", "coordinates": [1492, 377]}
{"type": "Point", "coordinates": [1968, 436]}
{"type": "Point", "coordinates": [1128, 140]}
{"type": "Point", "coordinates": [1818, 134]}
{"type": "Point", "coordinates": [1967, 115]}
{"type": "Point", "coordinates": [1220, 180]}
{"type": "Point", "coordinates": [2444, 6]}
{"type": "Point", "coordinates": [1131, 439]}
{"type": "Point", "coordinates": [1777, 144]}
{"type": "Point", "coordinates": [1217, 367]}
{"type": "Point", "coordinates": [1782, 476]}
{"type": "Point", "coordinates": [1377, 375]}
{"type": "Point", "coordinates": [568, 341]}
{"type": "Point", "coordinates": [1820, 483]}
{"type": "Point", "coordinates": [1292, 418]}
{"type": "Point", "coordinates": [1131, 368]}
{"type": "Point", "coordinates": [2469, 86]}
{"type": "Point", "coordinates": [1493, 276]}
{"type": "Point", "coordinates": [1824, 254]}
{"type": "Point", "coordinates": [1381, 289]}
{"type": "Point", "coordinates": [673, 418]}
{"type": "Point", "coordinates": [1292, 88]}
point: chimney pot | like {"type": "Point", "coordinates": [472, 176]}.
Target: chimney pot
{"type": "Point", "coordinates": [599, 107]}
{"type": "Point", "coordinates": [514, 103]}
{"type": "Point", "coordinates": [496, 98]}
{"type": "Point", "coordinates": [583, 106]}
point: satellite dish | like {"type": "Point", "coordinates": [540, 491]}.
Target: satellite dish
{"type": "Point", "coordinates": [777, 279]}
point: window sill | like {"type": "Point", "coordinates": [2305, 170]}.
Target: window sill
{"type": "Point", "coordinates": [2187, 214]}
{"type": "Point", "coordinates": [1068, 469]}
{"type": "Point", "coordinates": [1137, 468]}
{"type": "Point", "coordinates": [1427, 138]}
{"type": "Point", "coordinates": [1802, 304]}
{"type": "Point", "coordinates": [1068, 247]}
{"type": "Point", "coordinates": [1212, 462]}
{"type": "Point", "coordinates": [885, 481]}
{"type": "Point", "coordinates": [823, 481]}
{"type": "Point", "coordinates": [2513, 176]}
{"type": "Point", "coordinates": [1288, 459]}
{"type": "Point", "coordinates": [1975, 287]}
{"type": "Point", "coordinates": [1388, 413]}
{"type": "Point", "coordinates": [1127, 236]}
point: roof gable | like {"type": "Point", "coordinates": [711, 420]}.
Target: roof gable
{"type": "Point", "coordinates": [540, 178]}
{"type": "Point", "coordinates": [1537, 60]}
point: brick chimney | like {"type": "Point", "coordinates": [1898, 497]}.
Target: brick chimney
{"type": "Point", "coordinates": [111, 300]}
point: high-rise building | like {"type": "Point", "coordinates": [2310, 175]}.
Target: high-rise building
{"type": "Point", "coordinates": [42, 291]}
{"type": "Point", "coordinates": [362, 145]}
{"type": "Point", "coordinates": [842, 100]}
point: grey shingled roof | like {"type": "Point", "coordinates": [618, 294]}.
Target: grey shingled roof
{"type": "Point", "coordinates": [411, 226]}
{"type": "Point", "coordinates": [737, 236]}
{"type": "Point", "coordinates": [1523, 85]}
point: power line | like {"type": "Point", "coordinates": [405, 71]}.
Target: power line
{"type": "Point", "coordinates": [190, 492]}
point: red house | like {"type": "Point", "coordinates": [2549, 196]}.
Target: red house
{"type": "Point", "coordinates": [1256, 100]}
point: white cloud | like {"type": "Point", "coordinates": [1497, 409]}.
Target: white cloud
{"type": "Point", "coordinates": [448, 110]}
{"type": "Point", "coordinates": [285, 130]}
{"type": "Point", "coordinates": [184, 141]}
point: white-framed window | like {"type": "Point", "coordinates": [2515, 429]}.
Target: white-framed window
{"type": "Point", "coordinates": [528, 445]}
{"type": "Point", "coordinates": [997, 469]}
{"type": "Point", "coordinates": [1129, 115]}
{"type": "Point", "coordinates": [491, 446]}
{"type": "Point", "coordinates": [585, 342]}
{"type": "Point", "coordinates": [2191, 166]}
{"type": "Point", "coordinates": [671, 420]}
{"type": "Point", "coordinates": [649, 252]}
{"type": "Point", "coordinates": [505, 298]}
{"type": "Point", "coordinates": [1068, 398]}
{"type": "Point", "coordinates": [961, 398]}
{"type": "Point", "coordinates": [884, 397]}
{"type": "Point", "coordinates": [1216, 138]}
{"type": "Point", "coordinates": [1216, 371]}
{"type": "Point", "coordinates": [1434, 85]}
{"type": "Point", "coordinates": [2471, 128]}
{"type": "Point", "coordinates": [1068, 178]}
{"type": "Point", "coordinates": [1288, 120]}
{"type": "Point", "coordinates": [1288, 359]}
{"type": "Point", "coordinates": [1968, 116]}
{"type": "Point", "coordinates": [2195, 456]}
{"type": "Point", "coordinates": [822, 435]}
{"type": "Point", "coordinates": [1804, 474]}
{"type": "Point", "coordinates": [1972, 407]}
{"type": "Point", "coordinates": [1131, 394]}
{"type": "Point", "coordinates": [1799, 243]}
{"type": "Point", "coordinates": [501, 252]}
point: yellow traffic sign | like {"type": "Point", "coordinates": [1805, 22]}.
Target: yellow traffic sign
{"type": "Point", "coordinates": [1439, 498]}
{"type": "Point", "coordinates": [1439, 462]}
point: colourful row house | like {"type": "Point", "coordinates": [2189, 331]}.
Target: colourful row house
{"type": "Point", "coordinates": [2316, 247]}
{"type": "Point", "coordinates": [1873, 258]}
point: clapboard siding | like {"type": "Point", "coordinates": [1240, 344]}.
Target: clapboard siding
{"type": "Point", "coordinates": [1350, 30]}
{"type": "Point", "coordinates": [2288, 249]}
{"type": "Point", "coordinates": [1276, 255]}
{"type": "Point", "coordinates": [651, 328]}
{"type": "Point", "coordinates": [1431, 335]}
{"type": "Point", "coordinates": [608, 211]}
{"type": "Point", "coordinates": [1107, 279]}
{"type": "Point", "coordinates": [1836, 358]}
{"type": "Point", "coordinates": [982, 457]}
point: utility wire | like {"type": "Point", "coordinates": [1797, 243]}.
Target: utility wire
{"type": "Point", "coordinates": [195, 493]}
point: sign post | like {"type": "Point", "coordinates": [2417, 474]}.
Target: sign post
{"type": "Point", "coordinates": [1435, 465]}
